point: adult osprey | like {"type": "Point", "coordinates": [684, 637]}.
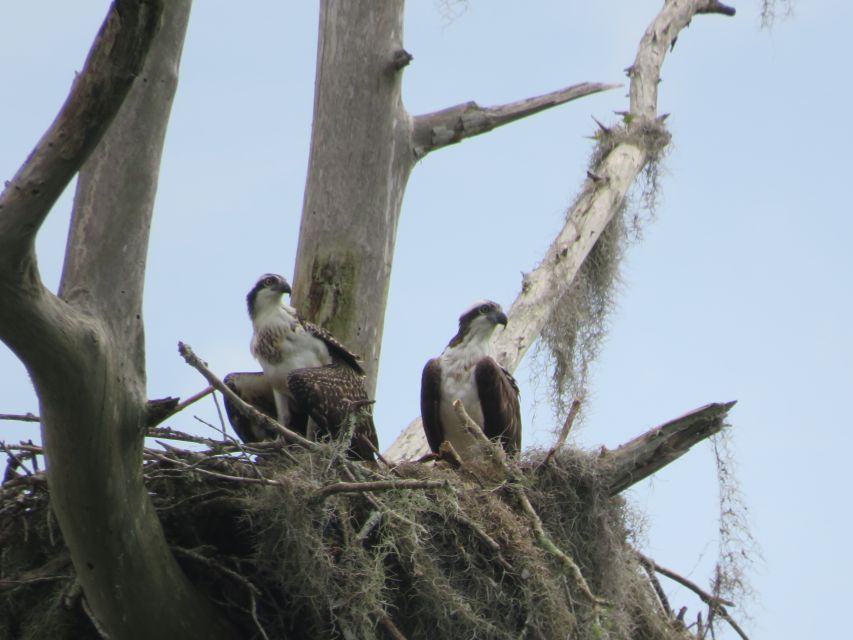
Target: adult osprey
{"type": "Point", "coordinates": [465, 371]}
{"type": "Point", "coordinates": [318, 384]}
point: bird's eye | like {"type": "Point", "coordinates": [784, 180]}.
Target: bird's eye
{"type": "Point", "coordinates": [484, 309]}
{"type": "Point", "coordinates": [269, 281]}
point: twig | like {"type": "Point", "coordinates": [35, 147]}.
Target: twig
{"type": "Point", "coordinates": [564, 432]}
{"type": "Point", "coordinates": [27, 417]}
{"type": "Point", "coordinates": [369, 525]}
{"type": "Point", "coordinates": [378, 485]}
{"type": "Point", "coordinates": [215, 474]}
{"type": "Point", "coordinates": [661, 594]}
{"type": "Point", "coordinates": [485, 537]}
{"type": "Point", "coordinates": [192, 399]}
{"type": "Point", "coordinates": [246, 409]}
{"type": "Point", "coordinates": [715, 603]}
{"type": "Point", "coordinates": [389, 625]}
{"type": "Point", "coordinates": [18, 463]}
{"type": "Point", "coordinates": [373, 448]}
{"type": "Point", "coordinates": [706, 597]}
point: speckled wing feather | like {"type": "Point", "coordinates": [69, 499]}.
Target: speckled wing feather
{"type": "Point", "coordinates": [331, 396]}
{"type": "Point", "coordinates": [498, 393]}
{"type": "Point", "coordinates": [256, 390]}
{"type": "Point", "coordinates": [336, 349]}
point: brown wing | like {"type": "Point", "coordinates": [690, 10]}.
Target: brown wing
{"type": "Point", "coordinates": [499, 401]}
{"type": "Point", "coordinates": [256, 390]}
{"type": "Point", "coordinates": [332, 396]}
{"type": "Point", "coordinates": [336, 348]}
{"type": "Point", "coordinates": [431, 404]}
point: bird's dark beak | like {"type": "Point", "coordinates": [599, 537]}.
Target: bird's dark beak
{"type": "Point", "coordinates": [284, 287]}
{"type": "Point", "coordinates": [498, 317]}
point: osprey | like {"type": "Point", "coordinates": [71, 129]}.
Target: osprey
{"type": "Point", "coordinates": [255, 389]}
{"type": "Point", "coordinates": [317, 383]}
{"type": "Point", "coordinates": [465, 371]}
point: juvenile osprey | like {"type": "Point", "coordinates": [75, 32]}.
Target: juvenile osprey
{"type": "Point", "coordinates": [465, 371]}
{"type": "Point", "coordinates": [255, 389]}
{"type": "Point", "coordinates": [318, 384]}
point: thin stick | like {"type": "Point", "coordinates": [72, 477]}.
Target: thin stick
{"type": "Point", "coordinates": [183, 405]}
{"type": "Point", "coordinates": [207, 472]}
{"type": "Point", "coordinates": [389, 625]}
{"type": "Point", "coordinates": [378, 485]}
{"type": "Point", "coordinates": [661, 594]}
{"type": "Point", "coordinates": [715, 603]}
{"type": "Point", "coordinates": [27, 417]}
{"type": "Point", "coordinates": [706, 597]}
{"type": "Point", "coordinates": [564, 432]}
{"type": "Point", "coordinates": [246, 409]}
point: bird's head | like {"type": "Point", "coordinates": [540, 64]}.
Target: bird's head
{"type": "Point", "coordinates": [478, 322]}
{"type": "Point", "coordinates": [267, 292]}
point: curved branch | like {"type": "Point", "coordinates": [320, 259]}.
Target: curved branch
{"type": "Point", "coordinates": [436, 130]}
{"type": "Point", "coordinates": [658, 39]}
{"type": "Point", "coordinates": [96, 95]}
{"type": "Point", "coordinates": [623, 155]}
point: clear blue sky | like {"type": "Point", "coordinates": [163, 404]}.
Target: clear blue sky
{"type": "Point", "coordinates": [741, 288]}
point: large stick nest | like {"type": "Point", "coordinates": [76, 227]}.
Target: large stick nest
{"type": "Point", "coordinates": [286, 556]}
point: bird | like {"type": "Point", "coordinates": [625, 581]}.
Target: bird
{"type": "Point", "coordinates": [318, 384]}
{"type": "Point", "coordinates": [255, 389]}
{"type": "Point", "coordinates": [465, 371]}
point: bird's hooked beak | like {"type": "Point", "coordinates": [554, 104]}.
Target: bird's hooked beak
{"type": "Point", "coordinates": [498, 317]}
{"type": "Point", "coordinates": [283, 287]}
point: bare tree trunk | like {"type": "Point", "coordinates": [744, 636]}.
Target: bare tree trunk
{"type": "Point", "coordinates": [363, 148]}
{"type": "Point", "coordinates": [85, 348]}
{"type": "Point", "coordinates": [359, 165]}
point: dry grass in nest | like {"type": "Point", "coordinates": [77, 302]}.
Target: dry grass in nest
{"type": "Point", "coordinates": [258, 532]}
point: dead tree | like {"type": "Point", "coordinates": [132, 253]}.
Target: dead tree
{"type": "Point", "coordinates": [83, 345]}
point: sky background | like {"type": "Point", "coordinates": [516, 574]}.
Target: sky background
{"type": "Point", "coordinates": [739, 290]}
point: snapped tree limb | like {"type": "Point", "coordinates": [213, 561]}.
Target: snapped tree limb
{"type": "Point", "coordinates": [646, 454]}
{"type": "Point", "coordinates": [438, 129]}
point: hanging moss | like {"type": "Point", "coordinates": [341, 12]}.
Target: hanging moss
{"type": "Point", "coordinates": [455, 560]}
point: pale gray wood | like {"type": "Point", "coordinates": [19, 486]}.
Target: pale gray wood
{"type": "Point", "coordinates": [359, 165]}
{"type": "Point", "coordinates": [601, 198]}
{"type": "Point", "coordinates": [84, 347]}
{"type": "Point", "coordinates": [656, 448]}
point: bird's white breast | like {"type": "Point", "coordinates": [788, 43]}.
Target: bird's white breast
{"type": "Point", "coordinates": [281, 344]}
{"type": "Point", "coordinates": [457, 383]}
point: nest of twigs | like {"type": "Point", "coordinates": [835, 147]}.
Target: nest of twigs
{"type": "Point", "coordinates": [294, 543]}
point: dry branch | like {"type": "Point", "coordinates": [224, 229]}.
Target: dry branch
{"type": "Point", "coordinates": [114, 61]}
{"type": "Point", "coordinates": [716, 604]}
{"type": "Point", "coordinates": [27, 417]}
{"type": "Point", "coordinates": [646, 454]}
{"type": "Point", "coordinates": [449, 126]}
{"type": "Point", "coordinates": [564, 432]}
{"type": "Point", "coordinates": [246, 409]}
{"type": "Point", "coordinates": [623, 153]}
{"type": "Point", "coordinates": [378, 485]}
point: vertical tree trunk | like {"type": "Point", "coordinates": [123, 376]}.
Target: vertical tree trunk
{"type": "Point", "coordinates": [85, 347]}
{"type": "Point", "coordinates": [360, 161]}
